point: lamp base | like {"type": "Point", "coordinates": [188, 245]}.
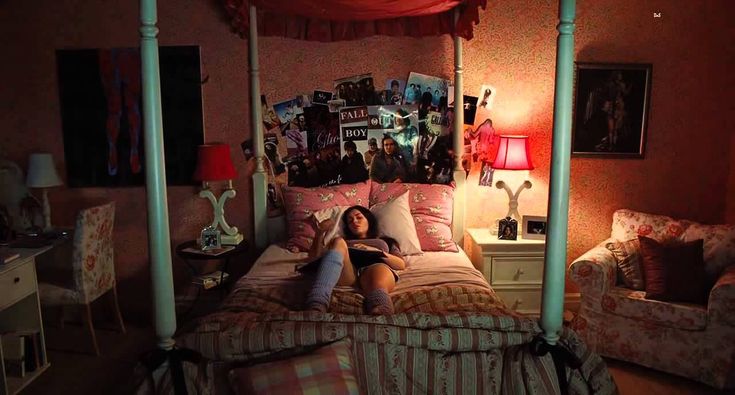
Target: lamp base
{"type": "Point", "coordinates": [231, 240]}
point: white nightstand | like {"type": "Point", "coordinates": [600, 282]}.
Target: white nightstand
{"type": "Point", "coordinates": [514, 268]}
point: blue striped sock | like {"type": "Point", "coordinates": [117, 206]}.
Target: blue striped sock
{"type": "Point", "coordinates": [327, 276]}
{"type": "Point", "coordinates": [378, 302]}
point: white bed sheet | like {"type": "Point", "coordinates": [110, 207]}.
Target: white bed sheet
{"type": "Point", "coordinates": [276, 266]}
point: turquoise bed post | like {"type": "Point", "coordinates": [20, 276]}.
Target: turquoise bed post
{"type": "Point", "coordinates": [458, 210]}
{"type": "Point", "coordinates": [552, 305]}
{"type": "Point", "coordinates": [260, 187]}
{"type": "Point", "coordinates": [159, 240]}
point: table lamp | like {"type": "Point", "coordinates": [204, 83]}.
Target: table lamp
{"type": "Point", "coordinates": [42, 174]}
{"type": "Point", "coordinates": [513, 154]}
{"type": "Point", "coordinates": [214, 164]}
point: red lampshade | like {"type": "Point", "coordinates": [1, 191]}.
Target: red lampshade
{"type": "Point", "coordinates": [214, 163]}
{"type": "Point", "coordinates": [513, 154]}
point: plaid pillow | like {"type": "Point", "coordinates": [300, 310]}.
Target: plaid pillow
{"type": "Point", "coordinates": [327, 370]}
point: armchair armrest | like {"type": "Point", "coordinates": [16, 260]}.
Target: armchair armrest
{"type": "Point", "coordinates": [721, 303]}
{"type": "Point", "coordinates": [595, 271]}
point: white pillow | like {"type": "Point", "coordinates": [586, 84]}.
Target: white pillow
{"type": "Point", "coordinates": [394, 221]}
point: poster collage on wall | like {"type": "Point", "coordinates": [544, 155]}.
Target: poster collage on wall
{"type": "Point", "coordinates": [356, 131]}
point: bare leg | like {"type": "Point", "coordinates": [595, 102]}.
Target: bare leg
{"type": "Point", "coordinates": [348, 276]}
{"type": "Point", "coordinates": [378, 278]}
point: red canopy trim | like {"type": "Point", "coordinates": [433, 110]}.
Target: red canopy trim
{"type": "Point", "coordinates": [335, 20]}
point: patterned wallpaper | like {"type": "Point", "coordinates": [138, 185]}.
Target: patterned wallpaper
{"type": "Point", "coordinates": [730, 199]}
{"type": "Point", "coordinates": [691, 118]}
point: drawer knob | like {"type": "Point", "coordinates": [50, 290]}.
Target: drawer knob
{"type": "Point", "coordinates": [517, 303]}
{"type": "Point", "coordinates": [519, 272]}
{"type": "Point", "coordinates": [16, 280]}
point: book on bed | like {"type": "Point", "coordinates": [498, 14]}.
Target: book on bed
{"type": "Point", "coordinates": [362, 255]}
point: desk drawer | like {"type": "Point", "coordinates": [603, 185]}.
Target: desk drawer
{"type": "Point", "coordinates": [517, 270]}
{"type": "Point", "coordinates": [17, 283]}
{"type": "Point", "coordinates": [524, 301]}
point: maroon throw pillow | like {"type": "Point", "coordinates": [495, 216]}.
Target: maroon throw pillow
{"type": "Point", "coordinates": [674, 272]}
{"type": "Point", "coordinates": [654, 271]}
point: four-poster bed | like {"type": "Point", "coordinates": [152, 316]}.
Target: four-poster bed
{"type": "Point", "coordinates": [497, 331]}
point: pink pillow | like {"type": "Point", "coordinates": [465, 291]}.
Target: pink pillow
{"type": "Point", "coordinates": [327, 370]}
{"type": "Point", "coordinates": [301, 203]}
{"type": "Point", "coordinates": [431, 207]}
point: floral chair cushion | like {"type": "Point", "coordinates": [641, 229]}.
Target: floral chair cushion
{"type": "Point", "coordinates": [633, 304]}
{"type": "Point", "coordinates": [55, 295]}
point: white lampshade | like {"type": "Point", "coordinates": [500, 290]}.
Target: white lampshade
{"type": "Point", "coordinates": [42, 172]}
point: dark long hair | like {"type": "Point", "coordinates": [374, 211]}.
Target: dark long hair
{"type": "Point", "coordinates": [372, 223]}
{"type": "Point", "coordinates": [372, 232]}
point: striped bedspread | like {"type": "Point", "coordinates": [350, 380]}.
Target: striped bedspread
{"type": "Point", "coordinates": [450, 339]}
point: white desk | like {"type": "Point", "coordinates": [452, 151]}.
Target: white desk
{"type": "Point", "coordinates": [20, 310]}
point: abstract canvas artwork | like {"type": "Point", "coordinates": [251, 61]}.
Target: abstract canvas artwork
{"type": "Point", "coordinates": [102, 116]}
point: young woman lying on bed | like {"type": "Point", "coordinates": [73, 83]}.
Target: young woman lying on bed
{"type": "Point", "coordinates": [359, 258]}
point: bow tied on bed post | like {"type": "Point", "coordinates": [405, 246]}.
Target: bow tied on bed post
{"type": "Point", "coordinates": [561, 356]}
{"type": "Point", "coordinates": [214, 164]}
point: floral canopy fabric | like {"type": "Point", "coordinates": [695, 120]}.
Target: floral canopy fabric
{"type": "Point", "coordinates": [336, 20]}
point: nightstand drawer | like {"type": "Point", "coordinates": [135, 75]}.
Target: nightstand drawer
{"type": "Point", "coordinates": [17, 283]}
{"type": "Point", "coordinates": [521, 300]}
{"type": "Point", "coordinates": [516, 270]}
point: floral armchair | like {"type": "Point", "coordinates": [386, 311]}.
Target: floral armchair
{"type": "Point", "coordinates": [689, 340]}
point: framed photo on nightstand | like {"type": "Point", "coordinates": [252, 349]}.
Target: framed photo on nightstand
{"type": "Point", "coordinates": [534, 227]}
{"type": "Point", "coordinates": [508, 229]}
{"type": "Point", "coordinates": [210, 239]}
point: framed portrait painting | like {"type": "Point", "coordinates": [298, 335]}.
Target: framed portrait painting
{"type": "Point", "coordinates": [611, 105]}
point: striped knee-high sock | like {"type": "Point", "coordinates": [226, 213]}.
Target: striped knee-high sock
{"type": "Point", "coordinates": [327, 276]}
{"type": "Point", "coordinates": [378, 302]}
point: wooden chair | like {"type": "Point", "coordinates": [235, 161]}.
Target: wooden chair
{"type": "Point", "coordinates": [93, 267]}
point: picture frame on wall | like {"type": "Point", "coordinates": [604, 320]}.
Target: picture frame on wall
{"type": "Point", "coordinates": [100, 101]}
{"type": "Point", "coordinates": [534, 227]}
{"type": "Point", "coordinates": [611, 106]}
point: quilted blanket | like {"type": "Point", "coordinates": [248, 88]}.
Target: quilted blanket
{"type": "Point", "coordinates": [442, 340]}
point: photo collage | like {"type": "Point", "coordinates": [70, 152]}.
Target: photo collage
{"type": "Point", "coordinates": [356, 131]}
